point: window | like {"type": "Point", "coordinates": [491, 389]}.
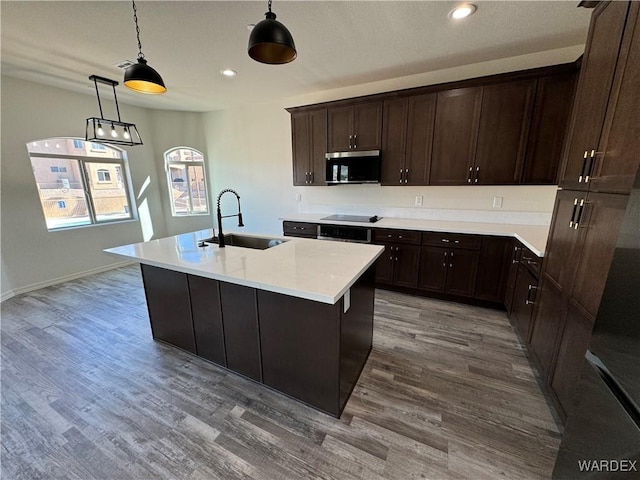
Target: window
{"type": "Point", "coordinates": [77, 190]}
{"type": "Point", "coordinates": [104, 175]}
{"type": "Point", "coordinates": [187, 182]}
{"type": "Point", "coordinates": [78, 144]}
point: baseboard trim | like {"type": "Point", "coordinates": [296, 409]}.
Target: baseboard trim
{"type": "Point", "coordinates": [65, 278]}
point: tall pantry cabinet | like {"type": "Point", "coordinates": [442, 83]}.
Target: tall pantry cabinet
{"type": "Point", "coordinates": [601, 157]}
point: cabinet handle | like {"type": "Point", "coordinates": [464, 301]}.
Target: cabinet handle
{"type": "Point", "coordinates": [401, 170]}
{"type": "Point", "coordinates": [399, 236]}
{"type": "Point", "coordinates": [389, 236]}
{"type": "Point", "coordinates": [584, 164]}
{"type": "Point", "coordinates": [576, 224]}
{"type": "Point", "coordinates": [592, 162]}
{"type": "Point", "coordinates": [456, 241]}
{"type": "Point", "coordinates": [445, 259]}
{"type": "Point", "coordinates": [469, 174]}
{"type": "Point", "coordinates": [573, 213]}
{"type": "Point", "coordinates": [406, 175]}
{"type": "Point", "coordinates": [355, 141]}
{"type": "Point", "coordinates": [350, 141]}
{"type": "Point", "coordinates": [477, 174]}
{"type": "Point", "coordinates": [528, 301]}
{"type": "Point", "coordinates": [312, 178]}
{"type": "Point", "coordinates": [445, 240]}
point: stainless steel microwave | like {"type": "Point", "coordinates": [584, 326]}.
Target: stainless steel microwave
{"type": "Point", "coordinates": [353, 167]}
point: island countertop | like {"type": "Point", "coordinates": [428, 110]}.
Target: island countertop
{"type": "Point", "coordinates": [306, 268]}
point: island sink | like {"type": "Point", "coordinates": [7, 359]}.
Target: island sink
{"type": "Point", "coordinates": [247, 241]}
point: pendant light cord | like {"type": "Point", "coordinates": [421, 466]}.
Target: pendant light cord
{"type": "Point", "coordinates": [269, 6]}
{"type": "Point", "coordinates": [135, 19]}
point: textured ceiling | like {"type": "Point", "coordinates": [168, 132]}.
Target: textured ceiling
{"type": "Point", "coordinates": [339, 43]}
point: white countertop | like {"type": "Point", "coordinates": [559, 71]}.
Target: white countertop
{"type": "Point", "coordinates": [313, 269]}
{"type": "Point", "coordinates": [533, 237]}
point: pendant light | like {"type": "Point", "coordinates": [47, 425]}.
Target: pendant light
{"type": "Point", "coordinates": [270, 42]}
{"type": "Point", "coordinates": [140, 76]}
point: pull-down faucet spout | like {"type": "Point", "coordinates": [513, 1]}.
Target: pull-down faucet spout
{"type": "Point", "coordinates": [221, 243]}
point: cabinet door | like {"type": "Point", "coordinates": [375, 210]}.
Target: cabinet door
{"type": "Point", "coordinates": [300, 139]}
{"type": "Point", "coordinates": [523, 301]}
{"type": "Point", "coordinates": [502, 136]}
{"type": "Point", "coordinates": [406, 264]}
{"type": "Point", "coordinates": [421, 115]}
{"type": "Point", "coordinates": [592, 97]}
{"type": "Point", "coordinates": [454, 136]}
{"type": "Point", "coordinates": [167, 295]}
{"type": "Point", "coordinates": [461, 272]}
{"type": "Point", "coordinates": [599, 227]}
{"type": "Point", "coordinates": [616, 168]}
{"type": "Point", "coordinates": [339, 128]}
{"type": "Point", "coordinates": [513, 273]}
{"type": "Point", "coordinates": [546, 327]}
{"type": "Point", "coordinates": [207, 318]}
{"type": "Point", "coordinates": [434, 262]}
{"type": "Point", "coordinates": [384, 266]}
{"type": "Point", "coordinates": [554, 95]}
{"type": "Point", "coordinates": [573, 345]}
{"type": "Point", "coordinates": [367, 126]}
{"type": "Point", "coordinates": [493, 268]}
{"type": "Point", "coordinates": [318, 146]}
{"type": "Point", "coordinates": [559, 261]}
{"type": "Point", "coordinates": [241, 335]}
{"type": "Point", "coordinates": [394, 141]}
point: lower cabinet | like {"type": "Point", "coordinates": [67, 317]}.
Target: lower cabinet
{"type": "Point", "coordinates": [523, 301]}
{"type": "Point", "coordinates": [169, 306]}
{"type": "Point", "coordinates": [207, 319]}
{"type": "Point", "coordinates": [299, 229]}
{"type": "Point", "coordinates": [547, 325]}
{"type": "Point", "coordinates": [446, 270]}
{"type": "Point", "coordinates": [493, 268]}
{"type": "Point", "coordinates": [398, 265]}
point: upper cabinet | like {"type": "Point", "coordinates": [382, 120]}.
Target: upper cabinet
{"type": "Point", "coordinates": [455, 135]}
{"type": "Point", "coordinates": [503, 132]}
{"type": "Point", "coordinates": [355, 127]}
{"type": "Point", "coordinates": [505, 129]}
{"type": "Point", "coordinates": [309, 140]}
{"type": "Point", "coordinates": [593, 94]}
{"type": "Point", "coordinates": [549, 124]}
{"type": "Point", "coordinates": [407, 139]}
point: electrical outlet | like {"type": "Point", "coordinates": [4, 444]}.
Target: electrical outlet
{"type": "Point", "coordinates": [497, 202]}
{"type": "Point", "coordinates": [418, 200]}
{"type": "Point", "coordinates": [298, 197]}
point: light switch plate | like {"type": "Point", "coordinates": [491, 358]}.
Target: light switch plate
{"type": "Point", "coordinates": [419, 199]}
{"type": "Point", "coordinates": [298, 197]}
{"type": "Point", "coordinates": [497, 202]}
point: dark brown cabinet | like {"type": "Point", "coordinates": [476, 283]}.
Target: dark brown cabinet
{"type": "Point", "coordinates": [355, 127]}
{"type": "Point", "coordinates": [309, 140]}
{"type": "Point", "coordinates": [493, 268]}
{"type": "Point", "coordinates": [549, 124]}
{"type": "Point", "coordinates": [503, 132]}
{"type": "Point", "coordinates": [169, 306]}
{"type": "Point", "coordinates": [524, 296]}
{"type": "Point", "coordinates": [299, 229]}
{"type": "Point", "coordinates": [452, 268]}
{"type": "Point", "coordinates": [407, 140]}
{"type": "Point", "coordinates": [547, 325]}
{"type": "Point", "coordinates": [241, 332]}
{"type": "Point", "coordinates": [593, 92]}
{"type": "Point", "coordinates": [398, 264]}
{"type": "Point", "coordinates": [455, 136]}
{"type": "Point", "coordinates": [514, 262]}
{"type": "Point", "coordinates": [206, 313]}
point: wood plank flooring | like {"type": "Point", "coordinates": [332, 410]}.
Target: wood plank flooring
{"type": "Point", "coordinates": [447, 393]}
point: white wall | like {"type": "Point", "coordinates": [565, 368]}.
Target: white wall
{"type": "Point", "coordinates": [249, 149]}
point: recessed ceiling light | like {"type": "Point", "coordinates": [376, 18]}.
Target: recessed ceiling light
{"type": "Point", "coordinates": [227, 72]}
{"type": "Point", "coordinates": [462, 11]}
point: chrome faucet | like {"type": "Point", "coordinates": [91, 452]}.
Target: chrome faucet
{"type": "Point", "coordinates": [221, 243]}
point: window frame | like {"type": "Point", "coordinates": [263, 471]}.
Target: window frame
{"type": "Point", "coordinates": [86, 187]}
{"type": "Point", "coordinates": [187, 181]}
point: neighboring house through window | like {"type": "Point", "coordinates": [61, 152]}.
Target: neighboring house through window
{"type": "Point", "coordinates": [187, 182]}
{"type": "Point", "coordinates": [80, 183]}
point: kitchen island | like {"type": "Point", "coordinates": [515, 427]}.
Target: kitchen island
{"type": "Point", "coordinates": [297, 317]}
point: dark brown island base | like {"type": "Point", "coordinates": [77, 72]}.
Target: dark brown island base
{"type": "Point", "coordinates": [293, 314]}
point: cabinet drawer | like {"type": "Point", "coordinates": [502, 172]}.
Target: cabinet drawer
{"type": "Point", "coordinates": [300, 229]}
{"type": "Point", "coordinates": [396, 236]}
{"type": "Point", "coordinates": [456, 240]}
{"type": "Point", "coordinates": [531, 261]}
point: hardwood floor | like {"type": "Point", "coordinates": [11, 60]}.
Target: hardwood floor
{"type": "Point", "coordinates": [447, 393]}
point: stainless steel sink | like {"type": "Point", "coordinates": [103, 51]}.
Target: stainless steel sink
{"type": "Point", "coordinates": [247, 241]}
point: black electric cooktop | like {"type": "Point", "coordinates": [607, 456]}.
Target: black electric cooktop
{"type": "Point", "coordinates": [352, 218]}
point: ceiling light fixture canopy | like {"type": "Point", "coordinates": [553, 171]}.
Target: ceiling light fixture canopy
{"type": "Point", "coordinates": [271, 42]}
{"type": "Point", "coordinates": [120, 133]}
{"type": "Point", "coordinates": [140, 76]}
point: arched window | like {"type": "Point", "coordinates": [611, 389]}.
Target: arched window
{"type": "Point", "coordinates": [187, 181]}
{"type": "Point", "coordinates": [80, 183]}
